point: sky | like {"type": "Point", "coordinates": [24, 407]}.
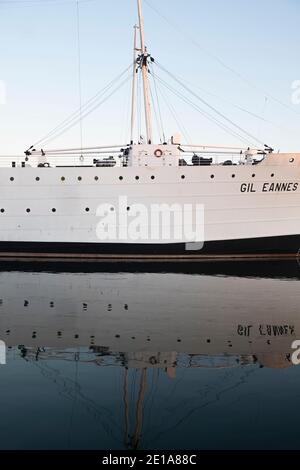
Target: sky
{"type": "Point", "coordinates": [241, 57]}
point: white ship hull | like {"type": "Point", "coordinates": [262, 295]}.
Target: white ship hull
{"type": "Point", "coordinates": [247, 208]}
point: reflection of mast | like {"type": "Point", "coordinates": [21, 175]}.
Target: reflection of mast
{"type": "Point", "coordinates": [125, 398]}
{"type": "Point", "coordinates": [133, 441]}
{"type": "Point", "coordinates": [139, 410]}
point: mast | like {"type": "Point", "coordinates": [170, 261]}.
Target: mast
{"type": "Point", "coordinates": [145, 73]}
{"type": "Point", "coordinates": [135, 49]}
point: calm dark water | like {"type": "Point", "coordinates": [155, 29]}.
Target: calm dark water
{"type": "Point", "coordinates": [197, 358]}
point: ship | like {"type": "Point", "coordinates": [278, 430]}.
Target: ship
{"type": "Point", "coordinates": [94, 203]}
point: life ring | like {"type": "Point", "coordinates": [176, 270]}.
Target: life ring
{"type": "Point", "coordinates": [158, 153]}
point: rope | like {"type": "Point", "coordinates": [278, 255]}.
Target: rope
{"type": "Point", "coordinates": [79, 72]}
{"type": "Point", "coordinates": [204, 113]}
{"type": "Point", "coordinates": [84, 108]}
{"type": "Point", "coordinates": [176, 118]}
{"type": "Point", "coordinates": [158, 105]}
{"type": "Point", "coordinates": [87, 113]}
{"type": "Point", "coordinates": [209, 105]}
{"type": "Point", "coordinates": [156, 116]}
{"type": "Point", "coordinates": [220, 61]}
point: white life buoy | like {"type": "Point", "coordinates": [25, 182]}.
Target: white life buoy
{"type": "Point", "coordinates": [158, 153]}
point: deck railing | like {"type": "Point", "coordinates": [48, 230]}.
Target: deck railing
{"type": "Point", "coordinates": [117, 156]}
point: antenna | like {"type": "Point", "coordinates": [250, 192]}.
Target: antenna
{"type": "Point", "coordinates": [143, 62]}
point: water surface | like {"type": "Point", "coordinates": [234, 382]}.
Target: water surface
{"type": "Point", "coordinates": [197, 358]}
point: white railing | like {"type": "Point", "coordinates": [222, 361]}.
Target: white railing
{"type": "Point", "coordinates": [55, 160]}
{"type": "Point", "coordinates": [106, 156]}
{"type": "Point", "coordinates": [225, 158]}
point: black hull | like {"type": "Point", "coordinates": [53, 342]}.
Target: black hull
{"type": "Point", "coordinates": [252, 247]}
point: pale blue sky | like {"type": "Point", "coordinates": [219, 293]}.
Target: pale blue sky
{"type": "Point", "coordinates": [259, 39]}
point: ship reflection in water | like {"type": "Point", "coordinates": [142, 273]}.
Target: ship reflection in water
{"type": "Point", "coordinates": [197, 359]}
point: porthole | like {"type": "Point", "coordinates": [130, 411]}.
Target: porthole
{"type": "Point", "coordinates": [153, 177]}
{"type": "Point", "coordinates": [79, 178]}
{"type": "Point", "coordinates": [53, 209]}
{"type": "Point", "coordinates": [128, 208]}
{"type": "Point", "coordinates": [253, 175]}
{"type": "Point", "coordinates": [63, 178]}
{"type": "Point", "coordinates": [112, 209]}
{"type": "Point", "coordinates": [212, 176]}
{"type": "Point", "coordinates": [27, 210]}
{"type": "Point", "coordinates": [121, 178]}
{"type": "Point", "coordinates": [291, 160]}
{"type": "Point", "coordinates": [272, 175]}
{"type": "Point", "coordinates": [2, 211]}
{"type": "Point", "coordinates": [182, 177]}
{"type": "Point", "coordinates": [96, 178]}
{"type": "Point", "coordinates": [12, 178]}
{"type": "Point", "coordinates": [137, 177]}
{"type": "Point", "coordinates": [37, 179]}
{"type": "Point", "coordinates": [87, 209]}
{"type": "Point", "coordinates": [232, 176]}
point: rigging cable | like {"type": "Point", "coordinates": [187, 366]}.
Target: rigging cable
{"type": "Point", "coordinates": [175, 116]}
{"type": "Point", "coordinates": [264, 113]}
{"type": "Point", "coordinates": [240, 108]}
{"type": "Point", "coordinates": [72, 124]}
{"type": "Point", "coordinates": [220, 61]}
{"type": "Point", "coordinates": [158, 105]}
{"type": "Point", "coordinates": [221, 98]}
{"type": "Point", "coordinates": [125, 129]}
{"type": "Point", "coordinates": [84, 108]}
{"type": "Point", "coordinates": [209, 105]}
{"type": "Point", "coordinates": [156, 116]}
{"type": "Point", "coordinates": [205, 113]}
{"type": "Point", "coordinates": [79, 72]}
